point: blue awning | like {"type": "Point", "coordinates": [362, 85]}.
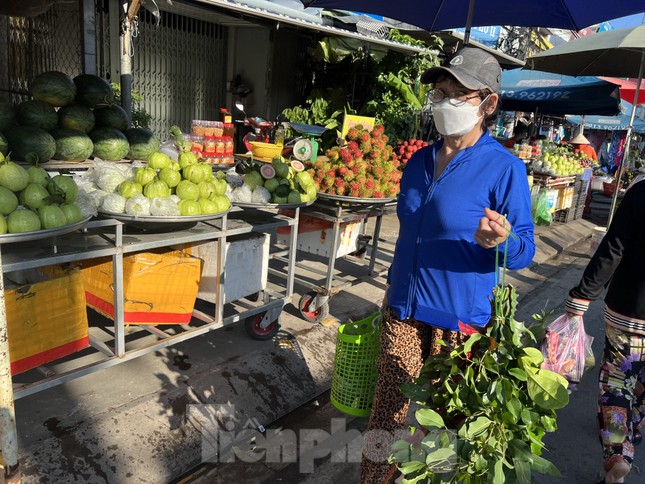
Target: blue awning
{"type": "Point", "coordinates": [528, 90]}
{"type": "Point", "coordinates": [612, 123]}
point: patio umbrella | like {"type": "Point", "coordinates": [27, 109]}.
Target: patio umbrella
{"type": "Point", "coordinates": [433, 15]}
{"type": "Point", "coordinates": [627, 88]}
{"type": "Point", "coordinates": [616, 53]}
{"type": "Point", "coordinates": [527, 91]}
{"type": "Point", "coordinates": [620, 122]}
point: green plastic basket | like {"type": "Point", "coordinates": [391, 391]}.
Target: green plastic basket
{"type": "Point", "coordinates": [354, 376]}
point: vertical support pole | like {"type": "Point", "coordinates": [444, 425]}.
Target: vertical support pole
{"type": "Point", "coordinates": [293, 248]}
{"type": "Point", "coordinates": [8, 432]}
{"type": "Point", "coordinates": [221, 273]}
{"type": "Point", "coordinates": [628, 140]}
{"type": "Point", "coordinates": [119, 303]}
{"type": "Point", "coordinates": [377, 233]}
{"type": "Point", "coordinates": [125, 43]}
{"type": "Point", "coordinates": [335, 242]}
{"type": "Point", "coordinates": [469, 21]}
{"type": "Point", "coordinates": [88, 28]}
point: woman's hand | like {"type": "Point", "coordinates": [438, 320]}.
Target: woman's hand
{"type": "Point", "coordinates": [493, 229]}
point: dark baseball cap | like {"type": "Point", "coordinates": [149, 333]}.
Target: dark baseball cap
{"type": "Point", "coordinates": [473, 68]}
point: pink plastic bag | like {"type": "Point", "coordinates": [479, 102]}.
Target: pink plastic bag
{"type": "Point", "coordinates": [565, 347]}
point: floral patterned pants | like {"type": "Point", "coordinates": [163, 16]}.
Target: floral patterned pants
{"type": "Point", "coordinates": [621, 406]}
{"type": "Point", "coordinates": [405, 346]}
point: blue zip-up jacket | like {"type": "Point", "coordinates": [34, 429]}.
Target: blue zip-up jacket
{"type": "Point", "coordinates": [439, 275]}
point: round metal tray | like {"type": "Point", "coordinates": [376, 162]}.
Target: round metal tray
{"type": "Point", "coordinates": [42, 234]}
{"type": "Point", "coordinates": [154, 219]}
{"type": "Point", "coordinates": [272, 205]}
{"type": "Point", "coordinates": [354, 200]}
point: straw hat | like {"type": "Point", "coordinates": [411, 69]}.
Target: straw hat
{"type": "Point", "coordinates": [579, 140]}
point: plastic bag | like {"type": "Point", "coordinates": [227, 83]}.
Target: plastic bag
{"type": "Point", "coordinates": [541, 211]}
{"type": "Point", "coordinates": [565, 347]}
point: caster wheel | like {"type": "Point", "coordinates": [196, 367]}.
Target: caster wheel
{"type": "Point", "coordinates": [316, 315]}
{"type": "Point", "coordinates": [255, 331]}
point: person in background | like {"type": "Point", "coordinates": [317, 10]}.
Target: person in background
{"type": "Point", "coordinates": [459, 200]}
{"type": "Point", "coordinates": [580, 143]}
{"type": "Point", "coordinates": [519, 134]}
{"type": "Point", "coordinates": [603, 151]}
{"type": "Point", "coordinates": [619, 264]}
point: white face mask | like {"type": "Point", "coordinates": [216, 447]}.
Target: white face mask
{"type": "Point", "coordinates": [453, 120]}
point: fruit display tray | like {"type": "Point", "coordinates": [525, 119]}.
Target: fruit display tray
{"type": "Point", "coordinates": [260, 206]}
{"type": "Point", "coordinates": [42, 234]}
{"type": "Point", "coordinates": [354, 200]}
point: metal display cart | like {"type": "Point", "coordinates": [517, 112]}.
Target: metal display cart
{"type": "Point", "coordinates": [110, 238]}
{"type": "Point", "coordinates": [338, 210]}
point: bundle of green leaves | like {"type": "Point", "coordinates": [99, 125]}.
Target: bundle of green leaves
{"type": "Point", "coordinates": [486, 405]}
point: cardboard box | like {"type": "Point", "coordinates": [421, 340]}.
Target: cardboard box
{"type": "Point", "coordinates": [565, 198]}
{"type": "Point", "coordinates": [158, 287]}
{"type": "Point", "coordinates": [314, 236]}
{"type": "Point", "coordinates": [46, 320]}
{"type": "Point", "coordinates": [246, 267]}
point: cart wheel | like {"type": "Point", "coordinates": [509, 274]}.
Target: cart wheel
{"type": "Point", "coordinates": [255, 331]}
{"type": "Point", "coordinates": [318, 314]}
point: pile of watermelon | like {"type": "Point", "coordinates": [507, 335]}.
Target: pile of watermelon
{"type": "Point", "coordinates": [71, 120]}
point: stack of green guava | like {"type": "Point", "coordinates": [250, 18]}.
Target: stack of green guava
{"type": "Point", "coordinates": [31, 200]}
{"type": "Point", "coordinates": [164, 188]}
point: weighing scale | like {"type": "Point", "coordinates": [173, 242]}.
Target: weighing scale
{"type": "Point", "coordinates": [306, 148]}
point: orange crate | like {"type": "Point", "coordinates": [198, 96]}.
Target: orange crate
{"type": "Point", "coordinates": [158, 288]}
{"type": "Point", "coordinates": [46, 320]}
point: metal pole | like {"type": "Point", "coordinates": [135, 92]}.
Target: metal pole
{"type": "Point", "coordinates": [627, 139]}
{"type": "Point", "coordinates": [8, 433]}
{"type": "Point", "coordinates": [469, 21]}
{"type": "Point", "coordinates": [125, 42]}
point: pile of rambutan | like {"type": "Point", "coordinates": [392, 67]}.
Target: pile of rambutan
{"type": "Point", "coordinates": [404, 150]}
{"type": "Point", "coordinates": [363, 167]}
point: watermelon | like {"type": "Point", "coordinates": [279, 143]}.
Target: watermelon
{"type": "Point", "coordinates": [142, 143]}
{"type": "Point", "coordinates": [4, 145]}
{"type": "Point", "coordinates": [31, 144]}
{"type": "Point", "coordinates": [54, 88]}
{"type": "Point", "coordinates": [93, 91]}
{"type": "Point", "coordinates": [7, 115]}
{"type": "Point", "coordinates": [113, 116]}
{"type": "Point", "coordinates": [109, 144]}
{"type": "Point", "coordinates": [77, 117]}
{"type": "Point", "coordinates": [37, 114]}
{"type": "Point", "coordinates": [72, 145]}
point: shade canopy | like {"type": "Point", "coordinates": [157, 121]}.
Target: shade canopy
{"type": "Point", "coordinates": [627, 88]}
{"type": "Point", "coordinates": [435, 15]}
{"type": "Point", "coordinates": [528, 91]}
{"type": "Point", "coordinates": [615, 53]}
{"type": "Point", "coordinates": [610, 123]}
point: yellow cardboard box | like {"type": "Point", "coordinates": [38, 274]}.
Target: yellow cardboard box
{"type": "Point", "coordinates": [158, 287]}
{"type": "Point", "coordinates": [46, 320]}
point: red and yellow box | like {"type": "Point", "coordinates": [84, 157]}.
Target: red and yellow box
{"type": "Point", "coordinates": [158, 287]}
{"type": "Point", "coordinates": [46, 320]}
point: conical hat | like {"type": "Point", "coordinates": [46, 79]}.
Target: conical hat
{"type": "Point", "coordinates": [579, 140]}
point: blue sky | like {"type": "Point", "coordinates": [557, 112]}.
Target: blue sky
{"type": "Point", "coordinates": [629, 21]}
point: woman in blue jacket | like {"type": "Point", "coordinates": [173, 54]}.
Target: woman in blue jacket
{"type": "Point", "coordinates": [459, 199]}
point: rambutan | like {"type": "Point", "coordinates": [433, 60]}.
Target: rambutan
{"type": "Point", "coordinates": [351, 163]}
{"type": "Point", "coordinates": [356, 170]}
{"type": "Point", "coordinates": [354, 193]}
{"type": "Point", "coordinates": [341, 190]}
{"type": "Point", "coordinates": [328, 181]}
{"type": "Point", "coordinates": [374, 154]}
{"type": "Point", "coordinates": [352, 145]}
{"type": "Point", "coordinates": [361, 179]}
{"type": "Point", "coordinates": [342, 171]}
{"type": "Point", "coordinates": [358, 154]}
{"type": "Point", "coordinates": [339, 182]}
{"type": "Point", "coordinates": [365, 192]}
{"type": "Point", "coordinates": [393, 190]}
{"type": "Point", "coordinates": [377, 171]}
{"type": "Point", "coordinates": [366, 147]}
{"type": "Point", "coordinates": [369, 184]}
{"type": "Point", "coordinates": [352, 134]}
{"type": "Point", "coordinates": [365, 137]}
{"type": "Point", "coordinates": [354, 186]}
{"type": "Point", "coordinates": [379, 128]}
{"type": "Point", "coordinates": [334, 156]}
{"type": "Point", "coordinates": [331, 173]}
{"type": "Point", "coordinates": [378, 194]}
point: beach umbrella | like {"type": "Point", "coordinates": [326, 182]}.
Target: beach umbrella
{"type": "Point", "coordinates": [615, 53]}
{"type": "Point", "coordinates": [433, 15]}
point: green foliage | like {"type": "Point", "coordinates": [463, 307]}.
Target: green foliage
{"type": "Point", "coordinates": [140, 117]}
{"type": "Point", "coordinates": [399, 95]}
{"type": "Point", "coordinates": [321, 109]}
{"type": "Point", "coordinates": [487, 405]}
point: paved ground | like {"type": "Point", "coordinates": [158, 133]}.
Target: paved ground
{"type": "Point", "coordinates": [148, 420]}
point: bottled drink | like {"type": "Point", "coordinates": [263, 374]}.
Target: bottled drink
{"type": "Point", "coordinates": [279, 136]}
